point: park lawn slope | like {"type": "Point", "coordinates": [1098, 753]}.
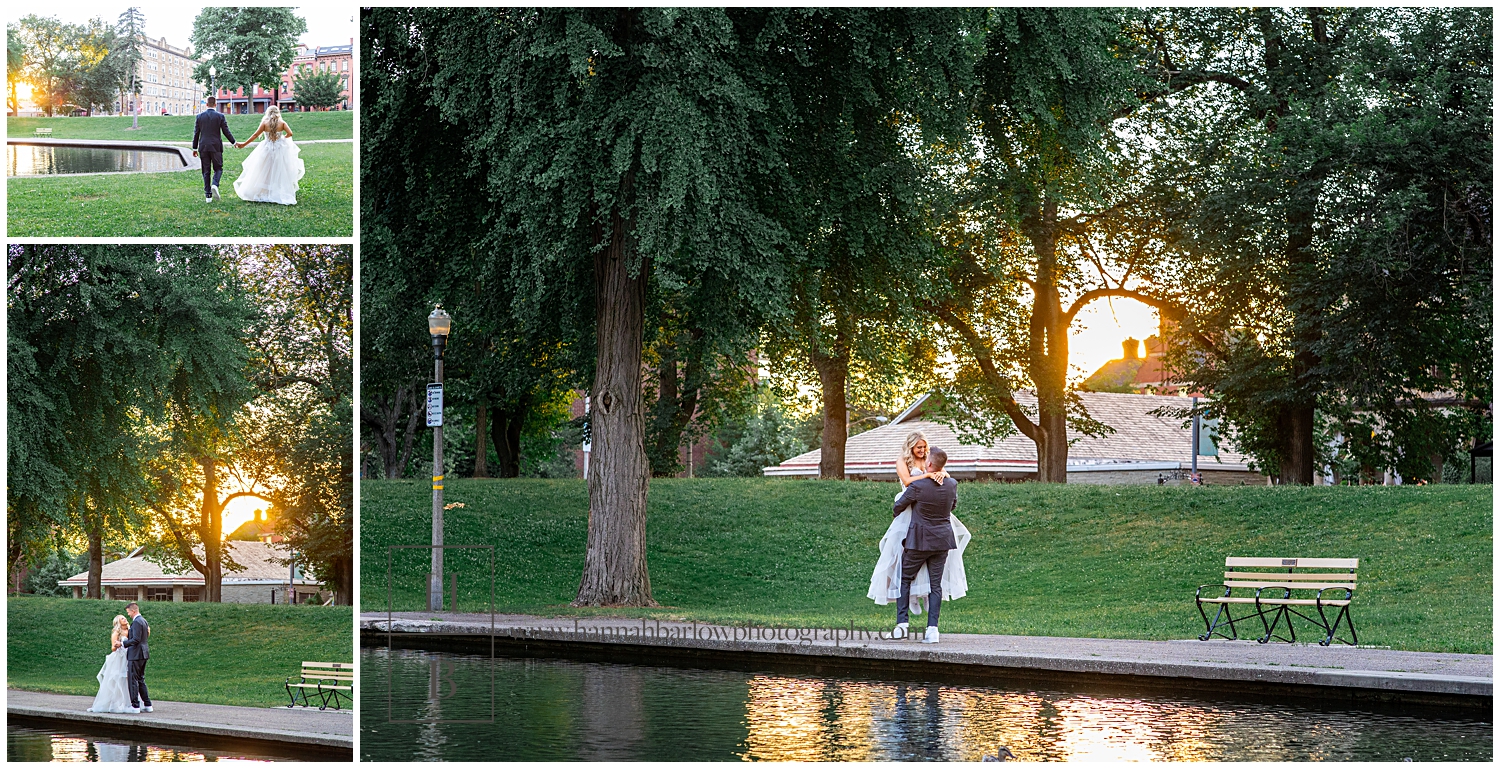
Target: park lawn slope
{"type": "Point", "coordinates": [217, 653]}
{"type": "Point", "coordinates": [170, 204]}
{"type": "Point", "coordinates": [1045, 560]}
{"type": "Point", "coordinates": [306, 126]}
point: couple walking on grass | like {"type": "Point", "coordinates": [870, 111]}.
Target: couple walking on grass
{"type": "Point", "coordinates": [271, 172]}
{"type": "Point", "coordinates": [922, 552]}
{"type": "Point", "coordinates": [122, 680]}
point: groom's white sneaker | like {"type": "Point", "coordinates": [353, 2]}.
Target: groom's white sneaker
{"type": "Point", "coordinates": [146, 709]}
{"type": "Point", "coordinates": [900, 631]}
{"type": "Point", "coordinates": [931, 637]}
{"type": "Point", "coordinates": [132, 710]}
{"type": "Point", "coordinates": [215, 188]}
{"type": "Point", "coordinates": [208, 200]}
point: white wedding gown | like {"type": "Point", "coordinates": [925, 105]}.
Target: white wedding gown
{"type": "Point", "coordinates": [114, 691]}
{"type": "Point", "coordinates": [271, 172]}
{"type": "Point", "coordinates": [885, 583]}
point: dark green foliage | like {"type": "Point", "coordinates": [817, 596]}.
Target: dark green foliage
{"type": "Point", "coordinates": [224, 654]}
{"type": "Point", "coordinates": [59, 565]}
{"type": "Point", "coordinates": [1332, 209]}
{"type": "Point", "coordinates": [764, 438]}
{"type": "Point", "coordinates": [1072, 561]}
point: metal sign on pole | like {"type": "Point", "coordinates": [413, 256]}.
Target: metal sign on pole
{"type": "Point", "coordinates": [435, 404]}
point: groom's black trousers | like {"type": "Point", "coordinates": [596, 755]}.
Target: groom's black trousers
{"type": "Point", "coordinates": [911, 562]}
{"type": "Point", "coordinates": [212, 164]}
{"type": "Point", "coordinates": [136, 681]}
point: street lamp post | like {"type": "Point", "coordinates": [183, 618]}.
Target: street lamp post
{"type": "Point", "coordinates": [438, 325]}
{"type": "Point", "coordinates": [212, 74]}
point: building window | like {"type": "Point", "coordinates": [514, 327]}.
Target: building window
{"type": "Point", "coordinates": [158, 593]}
{"type": "Point", "coordinates": [126, 594]}
{"type": "Point", "coordinates": [192, 594]}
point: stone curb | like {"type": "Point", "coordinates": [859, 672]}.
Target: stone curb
{"type": "Point", "coordinates": [133, 721]}
{"type": "Point", "coordinates": [189, 162]}
{"type": "Point", "coordinates": [1376, 680]}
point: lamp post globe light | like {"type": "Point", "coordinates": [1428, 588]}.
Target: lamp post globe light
{"type": "Point", "coordinates": [439, 324]}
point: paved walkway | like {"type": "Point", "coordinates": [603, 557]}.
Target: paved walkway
{"type": "Point", "coordinates": [1463, 675]}
{"type": "Point", "coordinates": [288, 726]}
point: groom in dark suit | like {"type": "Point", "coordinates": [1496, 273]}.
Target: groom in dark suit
{"type": "Point", "coordinates": [137, 651]}
{"type": "Point", "coordinates": [928, 541]}
{"type": "Point", "coordinates": [209, 149]}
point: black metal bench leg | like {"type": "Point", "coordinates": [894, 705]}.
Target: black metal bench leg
{"type": "Point", "coordinates": [1333, 629]}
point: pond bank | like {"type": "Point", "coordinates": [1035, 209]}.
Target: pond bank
{"type": "Point", "coordinates": [1244, 667]}
{"type": "Point", "coordinates": [323, 735]}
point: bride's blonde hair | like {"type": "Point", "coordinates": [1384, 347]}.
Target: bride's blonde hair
{"type": "Point", "coordinates": [121, 626]}
{"type": "Point", "coordinates": [272, 121]}
{"type": "Point", "coordinates": [911, 442]}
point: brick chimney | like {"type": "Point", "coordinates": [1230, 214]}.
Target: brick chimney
{"type": "Point", "coordinates": [1132, 348]}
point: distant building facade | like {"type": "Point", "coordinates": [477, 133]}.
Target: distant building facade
{"type": "Point", "coordinates": [338, 59]}
{"type": "Point", "coordinates": [1145, 447]}
{"type": "Point", "coordinates": [166, 77]}
{"type": "Point", "coordinates": [263, 580]}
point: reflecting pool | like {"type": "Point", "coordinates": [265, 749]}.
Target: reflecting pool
{"type": "Point", "coordinates": [34, 743]}
{"type": "Point", "coordinates": [36, 160]}
{"type": "Point", "coordinates": [437, 706]}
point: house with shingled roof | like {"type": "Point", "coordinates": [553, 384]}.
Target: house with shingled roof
{"type": "Point", "coordinates": [1144, 447]}
{"type": "Point", "coordinates": [262, 580]}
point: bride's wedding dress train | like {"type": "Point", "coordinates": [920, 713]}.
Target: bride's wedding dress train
{"type": "Point", "coordinates": [885, 583]}
{"type": "Point", "coordinates": [271, 172]}
{"type": "Point", "coordinates": [114, 691]}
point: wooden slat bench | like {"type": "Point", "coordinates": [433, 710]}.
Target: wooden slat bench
{"type": "Point", "coordinates": [44, 132]}
{"type": "Point", "coordinates": [329, 681]}
{"type": "Point", "coordinates": [1280, 586]}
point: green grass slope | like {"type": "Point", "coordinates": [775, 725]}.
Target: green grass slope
{"type": "Point", "coordinates": [224, 654]}
{"type": "Point", "coordinates": [178, 128]}
{"type": "Point", "coordinates": [171, 204]}
{"type": "Point", "coordinates": [1083, 561]}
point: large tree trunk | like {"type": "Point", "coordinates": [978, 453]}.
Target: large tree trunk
{"type": "Point", "coordinates": [833, 377]}
{"type": "Point", "coordinates": [1048, 353]}
{"type": "Point", "coordinates": [481, 440]}
{"type": "Point", "coordinates": [614, 569]}
{"type": "Point", "coordinates": [96, 565]}
{"type": "Point", "coordinates": [678, 387]}
{"type": "Point", "coordinates": [211, 532]}
{"type": "Point", "coordinates": [384, 416]}
{"type": "Point", "coordinates": [505, 428]}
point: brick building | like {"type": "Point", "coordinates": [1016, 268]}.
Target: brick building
{"type": "Point", "coordinates": [166, 77]}
{"type": "Point", "coordinates": [338, 59]}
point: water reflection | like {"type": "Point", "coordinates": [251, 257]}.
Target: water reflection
{"type": "Point", "coordinates": [26, 743]}
{"type": "Point", "coordinates": [547, 709]}
{"type": "Point", "coordinates": [36, 160]}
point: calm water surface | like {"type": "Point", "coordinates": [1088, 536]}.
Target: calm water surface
{"type": "Point", "coordinates": [35, 160]}
{"type": "Point", "coordinates": [29, 743]}
{"type": "Point", "coordinates": [523, 709]}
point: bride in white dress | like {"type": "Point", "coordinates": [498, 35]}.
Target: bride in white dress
{"type": "Point", "coordinates": [885, 583]}
{"type": "Point", "coordinates": [271, 172]}
{"type": "Point", "coordinates": [114, 691]}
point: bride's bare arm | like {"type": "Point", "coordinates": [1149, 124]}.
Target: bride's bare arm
{"type": "Point", "coordinates": [258, 132]}
{"type": "Point", "coordinates": [286, 129]}
{"type": "Point", "coordinates": [903, 472]}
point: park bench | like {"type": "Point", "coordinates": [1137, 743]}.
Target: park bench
{"type": "Point", "coordinates": [329, 681]}
{"type": "Point", "coordinates": [44, 132]}
{"type": "Point", "coordinates": [1278, 588]}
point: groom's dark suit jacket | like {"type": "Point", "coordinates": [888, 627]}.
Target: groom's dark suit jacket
{"type": "Point", "coordinates": [206, 131]}
{"type": "Point", "coordinates": [135, 644]}
{"type": "Point", "coordinates": [931, 505]}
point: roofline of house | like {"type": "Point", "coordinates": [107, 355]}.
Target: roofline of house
{"type": "Point", "coordinates": [1001, 465]}
{"type": "Point", "coordinates": [183, 581]}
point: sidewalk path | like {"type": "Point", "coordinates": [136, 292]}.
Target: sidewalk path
{"type": "Point", "coordinates": [288, 727]}
{"type": "Point", "coordinates": [1313, 669]}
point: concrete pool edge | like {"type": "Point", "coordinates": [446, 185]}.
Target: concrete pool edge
{"type": "Point", "coordinates": [185, 154]}
{"type": "Point", "coordinates": [64, 712]}
{"type": "Point", "coordinates": [1136, 663]}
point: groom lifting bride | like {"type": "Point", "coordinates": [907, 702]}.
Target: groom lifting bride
{"type": "Point", "coordinates": [932, 499]}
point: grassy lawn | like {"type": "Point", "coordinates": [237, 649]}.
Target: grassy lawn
{"type": "Point", "coordinates": [1082, 561]}
{"type": "Point", "coordinates": [225, 654]}
{"type": "Point", "coordinates": [171, 204]}
{"type": "Point", "coordinates": [178, 128]}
